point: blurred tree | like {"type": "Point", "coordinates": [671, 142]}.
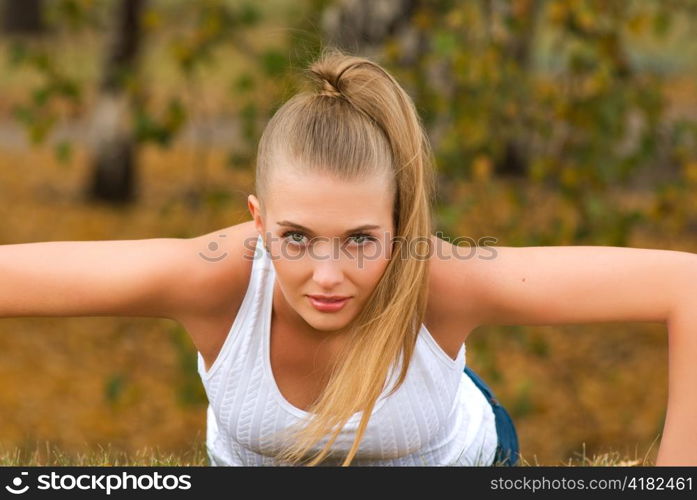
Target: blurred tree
{"type": "Point", "coordinates": [363, 26]}
{"type": "Point", "coordinates": [124, 115]}
{"type": "Point", "coordinates": [113, 139]}
{"type": "Point", "coordinates": [522, 19]}
{"type": "Point", "coordinates": [545, 91]}
{"type": "Point", "coordinates": [581, 121]}
{"type": "Point", "coordinates": [22, 16]}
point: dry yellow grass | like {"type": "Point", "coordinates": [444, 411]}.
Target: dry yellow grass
{"type": "Point", "coordinates": [48, 455]}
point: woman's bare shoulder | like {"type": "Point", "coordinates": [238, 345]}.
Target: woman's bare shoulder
{"type": "Point", "coordinates": [220, 279]}
{"type": "Point", "coordinates": [452, 309]}
{"type": "Point", "coordinates": [224, 262]}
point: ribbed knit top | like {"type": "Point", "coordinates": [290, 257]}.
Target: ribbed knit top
{"type": "Point", "coordinates": [437, 416]}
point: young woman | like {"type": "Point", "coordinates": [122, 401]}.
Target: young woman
{"type": "Point", "coordinates": [331, 328]}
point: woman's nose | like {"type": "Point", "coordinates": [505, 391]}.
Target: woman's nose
{"type": "Point", "coordinates": [327, 270]}
{"type": "Point", "coordinates": [327, 273]}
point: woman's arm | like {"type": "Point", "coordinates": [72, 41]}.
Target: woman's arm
{"type": "Point", "coordinates": [583, 284]}
{"type": "Point", "coordinates": [679, 440]}
{"type": "Point", "coordinates": [158, 277]}
{"type": "Point", "coordinates": [566, 284]}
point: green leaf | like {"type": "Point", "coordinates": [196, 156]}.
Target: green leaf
{"type": "Point", "coordinates": [249, 14]}
{"type": "Point", "coordinates": [176, 115]}
{"type": "Point", "coordinates": [18, 54]}
{"type": "Point", "coordinates": [661, 23]}
{"type": "Point", "coordinates": [113, 387]}
{"type": "Point", "coordinates": [273, 62]}
{"type": "Point", "coordinates": [444, 43]}
{"type": "Point", "coordinates": [236, 160]}
{"type": "Point", "coordinates": [41, 95]}
{"type": "Point", "coordinates": [63, 151]}
{"type": "Point", "coordinates": [244, 83]}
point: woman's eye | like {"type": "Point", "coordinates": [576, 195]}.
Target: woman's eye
{"type": "Point", "coordinates": [363, 237]}
{"type": "Point", "coordinates": [360, 237]}
{"type": "Point", "coordinates": [295, 237]}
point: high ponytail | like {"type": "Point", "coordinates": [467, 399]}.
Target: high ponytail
{"type": "Point", "coordinates": [357, 121]}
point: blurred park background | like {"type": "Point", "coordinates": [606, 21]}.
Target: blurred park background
{"type": "Point", "coordinates": [554, 122]}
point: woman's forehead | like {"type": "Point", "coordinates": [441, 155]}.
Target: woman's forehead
{"type": "Point", "coordinates": [284, 175]}
{"type": "Point", "coordinates": [325, 197]}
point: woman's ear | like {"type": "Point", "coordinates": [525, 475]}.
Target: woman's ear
{"type": "Point", "coordinates": [255, 210]}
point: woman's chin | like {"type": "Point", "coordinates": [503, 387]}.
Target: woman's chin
{"type": "Point", "coordinates": [326, 325]}
{"type": "Point", "coordinates": [326, 322]}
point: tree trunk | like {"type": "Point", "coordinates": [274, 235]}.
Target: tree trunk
{"type": "Point", "coordinates": [113, 166]}
{"type": "Point", "coordinates": [23, 17]}
{"type": "Point", "coordinates": [518, 47]}
{"type": "Point", "coordinates": [362, 26]}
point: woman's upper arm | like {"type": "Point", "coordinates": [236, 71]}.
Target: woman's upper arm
{"type": "Point", "coordinates": [546, 285]}
{"type": "Point", "coordinates": [156, 277]}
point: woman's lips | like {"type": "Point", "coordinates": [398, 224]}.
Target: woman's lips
{"type": "Point", "coordinates": [327, 305]}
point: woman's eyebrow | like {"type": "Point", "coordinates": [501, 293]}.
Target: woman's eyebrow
{"type": "Point", "coordinates": [295, 225]}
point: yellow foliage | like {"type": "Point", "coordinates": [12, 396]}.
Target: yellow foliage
{"type": "Point", "coordinates": [423, 20]}
{"type": "Point", "coordinates": [152, 20]}
{"type": "Point", "coordinates": [638, 23]}
{"type": "Point", "coordinates": [569, 176]}
{"type": "Point", "coordinates": [455, 18]}
{"type": "Point", "coordinates": [690, 172]}
{"type": "Point", "coordinates": [558, 12]}
{"type": "Point", "coordinates": [538, 169]}
{"type": "Point", "coordinates": [482, 168]}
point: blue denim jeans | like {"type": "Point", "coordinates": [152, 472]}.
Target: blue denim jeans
{"type": "Point", "coordinates": [507, 449]}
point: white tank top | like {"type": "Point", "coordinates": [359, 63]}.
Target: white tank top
{"type": "Point", "coordinates": [437, 416]}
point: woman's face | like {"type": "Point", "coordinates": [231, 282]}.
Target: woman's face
{"type": "Point", "coordinates": [325, 237]}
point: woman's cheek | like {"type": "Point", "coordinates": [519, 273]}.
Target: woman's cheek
{"type": "Point", "coordinates": [373, 270]}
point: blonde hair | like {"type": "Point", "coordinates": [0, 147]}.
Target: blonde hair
{"type": "Point", "coordinates": [358, 122]}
